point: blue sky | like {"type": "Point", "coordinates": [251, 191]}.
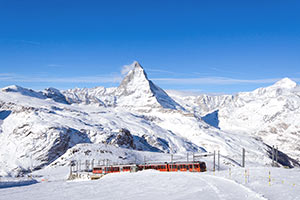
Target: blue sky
{"type": "Point", "coordinates": [204, 46]}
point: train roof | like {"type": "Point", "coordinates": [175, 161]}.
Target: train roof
{"type": "Point", "coordinates": [118, 165]}
{"type": "Point", "coordinates": [150, 163]}
{"type": "Point", "coordinates": [178, 162]}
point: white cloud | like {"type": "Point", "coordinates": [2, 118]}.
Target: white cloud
{"type": "Point", "coordinates": [80, 79]}
{"type": "Point", "coordinates": [216, 80]}
{"type": "Point", "coordinates": [6, 76]}
{"type": "Point", "coordinates": [126, 68]}
{"type": "Point", "coordinates": [160, 71]}
{"type": "Point", "coordinates": [117, 78]}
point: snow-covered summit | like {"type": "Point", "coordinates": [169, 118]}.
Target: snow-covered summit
{"type": "Point", "coordinates": [285, 83]}
{"type": "Point", "coordinates": [135, 91]}
{"type": "Point", "coordinates": [136, 79]}
{"type": "Point", "coordinates": [23, 91]}
{"type": "Point", "coordinates": [138, 91]}
{"type": "Point", "coordinates": [268, 113]}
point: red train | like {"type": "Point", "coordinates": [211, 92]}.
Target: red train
{"type": "Point", "coordinates": [114, 169]}
{"type": "Point", "coordinates": [164, 167]}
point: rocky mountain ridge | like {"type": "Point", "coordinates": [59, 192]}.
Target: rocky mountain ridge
{"type": "Point", "coordinates": [270, 113]}
{"type": "Point", "coordinates": [37, 128]}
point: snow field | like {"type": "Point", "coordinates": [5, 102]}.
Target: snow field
{"type": "Point", "coordinates": [146, 185]}
{"type": "Point", "coordinates": [230, 184]}
{"type": "Point", "coordinates": [273, 183]}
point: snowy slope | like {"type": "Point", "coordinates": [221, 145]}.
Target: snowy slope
{"type": "Point", "coordinates": [39, 128]}
{"type": "Point", "coordinates": [270, 114]}
{"type": "Point", "coordinates": [142, 185]}
{"type": "Point", "coordinates": [151, 184]}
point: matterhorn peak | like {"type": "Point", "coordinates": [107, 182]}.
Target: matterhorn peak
{"type": "Point", "coordinates": [137, 90]}
{"type": "Point", "coordinates": [135, 78]}
{"type": "Point", "coordinates": [137, 65]}
{"type": "Point", "coordinates": [137, 70]}
{"type": "Point", "coordinates": [285, 83]}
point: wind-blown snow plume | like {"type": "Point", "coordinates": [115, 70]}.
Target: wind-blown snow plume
{"type": "Point", "coordinates": [127, 68]}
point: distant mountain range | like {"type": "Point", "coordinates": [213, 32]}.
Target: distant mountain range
{"type": "Point", "coordinates": [38, 128]}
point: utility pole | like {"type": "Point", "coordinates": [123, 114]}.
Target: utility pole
{"type": "Point", "coordinates": [144, 162]}
{"type": "Point", "coordinates": [77, 167]}
{"type": "Point", "coordinates": [276, 155]}
{"type": "Point", "coordinates": [273, 155]}
{"type": "Point", "coordinates": [193, 161]}
{"type": "Point", "coordinates": [87, 165]}
{"type": "Point", "coordinates": [219, 160]}
{"type": "Point", "coordinates": [193, 157]}
{"type": "Point", "coordinates": [214, 167]}
{"type": "Point", "coordinates": [70, 169]}
{"type": "Point", "coordinates": [243, 157]}
{"type": "Point", "coordinates": [187, 156]}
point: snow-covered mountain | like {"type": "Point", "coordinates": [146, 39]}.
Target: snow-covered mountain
{"type": "Point", "coordinates": [38, 128]}
{"type": "Point", "coordinates": [135, 91]}
{"type": "Point", "coordinates": [271, 114]}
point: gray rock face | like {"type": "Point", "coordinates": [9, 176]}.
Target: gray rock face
{"type": "Point", "coordinates": [122, 139]}
{"type": "Point", "coordinates": [55, 94]}
{"type": "Point", "coordinates": [23, 91]}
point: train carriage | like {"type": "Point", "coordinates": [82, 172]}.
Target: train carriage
{"type": "Point", "coordinates": [114, 169]}
{"type": "Point", "coordinates": [163, 167]}
{"type": "Point", "coordinates": [188, 166]}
